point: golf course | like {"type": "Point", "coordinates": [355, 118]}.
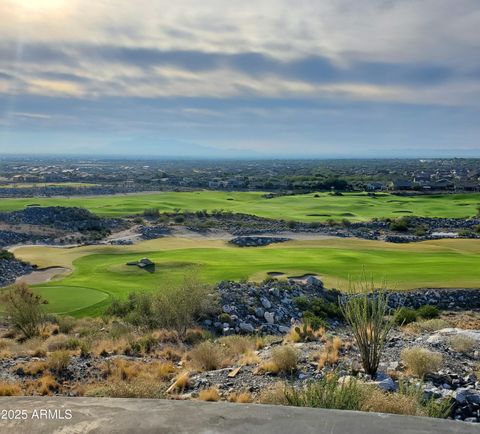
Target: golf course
{"type": "Point", "coordinates": [98, 273]}
{"type": "Point", "coordinates": [311, 207]}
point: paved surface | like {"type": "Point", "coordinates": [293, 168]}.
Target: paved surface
{"type": "Point", "coordinates": [94, 415]}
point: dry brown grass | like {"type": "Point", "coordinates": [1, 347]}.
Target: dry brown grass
{"type": "Point", "coordinates": [10, 389]}
{"type": "Point", "coordinates": [462, 344]}
{"type": "Point", "coordinates": [34, 367]}
{"type": "Point", "coordinates": [135, 388]}
{"type": "Point", "coordinates": [110, 346]}
{"type": "Point", "coordinates": [211, 395]}
{"type": "Point", "coordinates": [46, 385]}
{"type": "Point", "coordinates": [208, 356]}
{"type": "Point", "coordinates": [329, 356]}
{"type": "Point", "coordinates": [419, 360]}
{"type": "Point", "coordinates": [284, 359]}
{"type": "Point", "coordinates": [381, 402]}
{"type": "Point", "coordinates": [58, 361]}
{"type": "Point", "coordinates": [241, 397]}
{"type": "Point", "coordinates": [294, 337]}
{"type": "Point", "coordinates": [274, 395]}
{"type": "Point", "coordinates": [125, 370]}
{"type": "Point", "coordinates": [429, 325]}
{"type": "Point", "coordinates": [171, 353]}
{"type": "Point", "coordinates": [237, 345]}
{"type": "Point", "coordinates": [469, 320]}
{"type": "Point", "coordinates": [181, 383]}
{"type": "Point", "coordinates": [249, 358]}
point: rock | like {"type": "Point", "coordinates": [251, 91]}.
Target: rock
{"type": "Point", "coordinates": [266, 303]}
{"type": "Point", "coordinates": [283, 329]}
{"type": "Point", "coordinates": [246, 327]}
{"type": "Point", "coordinates": [269, 317]}
{"type": "Point", "coordinates": [259, 312]}
{"type": "Point", "coordinates": [467, 396]}
{"type": "Point", "coordinates": [385, 382]}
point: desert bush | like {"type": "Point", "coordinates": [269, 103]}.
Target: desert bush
{"type": "Point", "coordinates": [46, 385]}
{"type": "Point", "coordinates": [62, 342]}
{"type": "Point", "coordinates": [421, 361]}
{"type": "Point", "coordinates": [237, 345]}
{"type": "Point", "coordinates": [210, 395]}
{"type": "Point", "coordinates": [66, 324]}
{"type": "Point", "coordinates": [327, 392]}
{"type": "Point", "coordinates": [427, 311]}
{"type": "Point", "coordinates": [462, 344]}
{"type": "Point", "coordinates": [284, 359]}
{"type": "Point", "coordinates": [24, 310]}
{"type": "Point", "coordinates": [136, 388]}
{"type": "Point", "coordinates": [329, 355]}
{"type": "Point", "coordinates": [34, 367]}
{"type": "Point", "coordinates": [207, 356]}
{"type": "Point", "coordinates": [367, 317]}
{"type": "Point", "coordinates": [430, 325]}
{"type": "Point", "coordinates": [405, 316]}
{"type": "Point", "coordinates": [381, 402]}
{"type": "Point", "coordinates": [58, 361]}
{"type": "Point", "coordinates": [274, 395]}
{"type": "Point", "coordinates": [241, 397]}
{"type": "Point", "coordinates": [177, 308]}
{"type": "Point", "coordinates": [182, 381]}
{"type": "Point", "coordinates": [400, 224]}
{"type": "Point", "coordinates": [9, 389]}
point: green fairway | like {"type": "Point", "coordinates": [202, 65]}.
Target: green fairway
{"type": "Point", "coordinates": [308, 208]}
{"type": "Point", "coordinates": [444, 263]}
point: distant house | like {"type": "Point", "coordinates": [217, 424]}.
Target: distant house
{"type": "Point", "coordinates": [401, 184]}
{"type": "Point", "coordinates": [375, 186]}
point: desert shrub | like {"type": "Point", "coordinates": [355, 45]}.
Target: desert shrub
{"type": "Point", "coordinates": [284, 359]}
{"type": "Point", "coordinates": [182, 381]}
{"type": "Point", "coordinates": [62, 342]}
{"type": "Point", "coordinates": [428, 311]}
{"type": "Point", "coordinates": [381, 402]}
{"type": "Point", "coordinates": [329, 355]}
{"type": "Point", "coordinates": [367, 317]}
{"type": "Point", "coordinates": [274, 395]}
{"type": "Point", "coordinates": [462, 344]}
{"type": "Point", "coordinates": [327, 392]}
{"type": "Point", "coordinates": [46, 385]}
{"type": "Point", "coordinates": [66, 324]}
{"type": "Point", "coordinates": [136, 388]}
{"type": "Point", "coordinates": [237, 345]}
{"type": "Point", "coordinates": [241, 397]}
{"type": "Point", "coordinates": [405, 316]}
{"type": "Point", "coordinates": [420, 231]}
{"type": "Point", "coordinates": [34, 367]}
{"type": "Point", "coordinates": [210, 395]}
{"type": "Point", "coordinates": [9, 389]}
{"type": "Point", "coordinates": [24, 310]}
{"type": "Point", "coordinates": [421, 361]}
{"type": "Point", "coordinates": [430, 325]}
{"type": "Point", "coordinates": [400, 225]}
{"type": "Point", "coordinates": [177, 309]}
{"type": "Point", "coordinates": [58, 361]}
{"type": "Point", "coordinates": [207, 356]}
{"type": "Point", "coordinates": [5, 254]}
{"type": "Point", "coordinates": [195, 335]}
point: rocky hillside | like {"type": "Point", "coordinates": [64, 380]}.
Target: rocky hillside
{"type": "Point", "coordinates": [11, 268]}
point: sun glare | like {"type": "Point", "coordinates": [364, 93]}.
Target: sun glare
{"type": "Point", "coordinates": [40, 5]}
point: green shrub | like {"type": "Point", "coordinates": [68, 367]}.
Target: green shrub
{"type": "Point", "coordinates": [405, 316]}
{"type": "Point", "coordinates": [366, 315]}
{"type": "Point", "coordinates": [327, 393]}
{"type": "Point", "coordinates": [428, 311]}
{"type": "Point", "coordinates": [23, 309]}
{"type": "Point", "coordinates": [399, 225]}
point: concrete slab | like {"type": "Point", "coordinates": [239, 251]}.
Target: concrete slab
{"type": "Point", "coordinates": [36, 415]}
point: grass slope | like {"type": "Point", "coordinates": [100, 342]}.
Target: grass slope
{"type": "Point", "coordinates": [308, 208]}
{"type": "Point", "coordinates": [100, 270]}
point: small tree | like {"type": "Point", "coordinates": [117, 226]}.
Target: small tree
{"type": "Point", "coordinates": [24, 310]}
{"type": "Point", "coordinates": [366, 313]}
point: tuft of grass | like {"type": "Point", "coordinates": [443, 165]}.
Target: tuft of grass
{"type": "Point", "coordinates": [327, 393]}
{"type": "Point", "coordinates": [430, 325]}
{"type": "Point", "coordinates": [284, 359]}
{"type": "Point", "coordinates": [211, 395]}
{"type": "Point", "coordinates": [241, 397]}
{"type": "Point", "coordinates": [9, 389]}
{"type": "Point", "coordinates": [208, 356]}
{"type": "Point", "coordinates": [136, 388]}
{"type": "Point", "coordinates": [238, 345]}
{"type": "Point", "coordinates": [47, 385]}
{"type": "Point", "coordinates": [34, 367]}
{"type": "Point", "coordinates": [420, 361]}
{"type": "Point", "coordinates": [58, 361]}
{"type": "Point", "coordinates": [462, 344]}
{"type": "Point", "coordinates": [329, 356]}
{"type": "Point", "coordinates": [181, 383]}
{"type": "Point", "coordinates": [381, 402]}
{"type": "Point", "coordinates": [274, 395]}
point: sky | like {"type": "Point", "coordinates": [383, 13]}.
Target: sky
{"type": "Point", "coordinates": [263, 78]}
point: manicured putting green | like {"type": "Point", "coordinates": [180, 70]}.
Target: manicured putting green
{"type": "Point", "coordinates": [305, 207]}
{"type": "Point", "coordinates": [66, 299]}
